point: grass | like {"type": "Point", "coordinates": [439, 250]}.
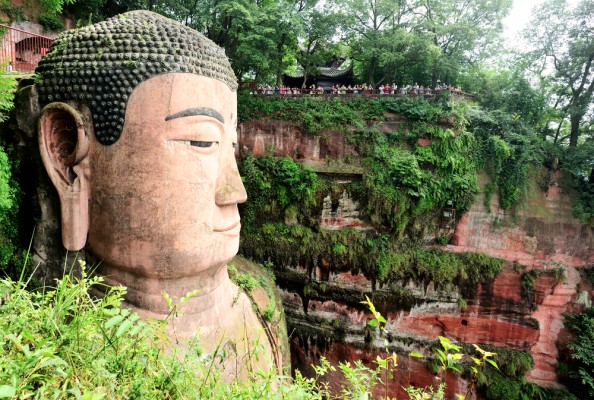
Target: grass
{"type": "Point", "coordinates": [61, 342]}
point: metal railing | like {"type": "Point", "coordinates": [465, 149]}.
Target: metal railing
{"type": "Point", "coordinates": [296, 93]}
{"type": "Point", "coordinates": [21, 51]}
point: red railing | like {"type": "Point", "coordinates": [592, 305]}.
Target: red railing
{"type": "Point", "coordinates": [21, 51]}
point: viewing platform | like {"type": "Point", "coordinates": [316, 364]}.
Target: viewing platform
{"type": "Point", "coordinates": [21, 51]}
{"type": "Point", "coordinates": [368, 94]}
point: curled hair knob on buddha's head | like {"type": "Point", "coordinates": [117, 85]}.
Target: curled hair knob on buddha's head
{"type": "Point", "coordinates": [101, 64]}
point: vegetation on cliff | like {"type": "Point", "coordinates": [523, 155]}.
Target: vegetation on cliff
{"type": "Point", "coordinates": [465, 140]}
{"type": "Point", "coordinates": [62, 342]}
{"type": "Point", "coordinates": [404, 188]}
{"type": "Point", "coordinates": [9, 187]}
{"type": "Point", "coordinates": [576, 366]}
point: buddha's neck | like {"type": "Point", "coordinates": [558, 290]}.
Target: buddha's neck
{"type": "Point", "coordinates": [207, 290]}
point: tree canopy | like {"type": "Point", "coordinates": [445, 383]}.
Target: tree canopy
{"type": "Point", "coordinates": [548, 85]}
{"type": "Point", "coordinates": [562, 37]}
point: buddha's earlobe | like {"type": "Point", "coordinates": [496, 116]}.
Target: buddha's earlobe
{"type": "Point", "coordinates": [64, 147]}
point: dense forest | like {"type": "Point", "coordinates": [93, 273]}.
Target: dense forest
{"type": "Point", "coordinates": [533, 106]}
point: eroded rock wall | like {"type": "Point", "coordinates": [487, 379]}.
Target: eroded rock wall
{"type": "Point", "coordinates": [323, 304]}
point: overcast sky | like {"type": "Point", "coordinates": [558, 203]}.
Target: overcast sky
{"type": "Point", "coordinates": [518, 17]}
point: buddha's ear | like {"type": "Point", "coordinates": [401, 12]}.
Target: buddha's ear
{"type": "Point", "coordinates": [64, 147]}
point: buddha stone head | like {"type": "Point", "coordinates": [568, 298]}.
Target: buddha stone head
{"type": "Point", "coordinates": [137, 134]}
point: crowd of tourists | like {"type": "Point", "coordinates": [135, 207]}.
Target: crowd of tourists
{"type": "Point", "coordinates": [358, 89]}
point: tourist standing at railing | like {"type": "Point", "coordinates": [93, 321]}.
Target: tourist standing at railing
{"type": "Point", "coordinates": [9, 67]}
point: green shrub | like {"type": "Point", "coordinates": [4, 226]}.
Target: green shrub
{"type": "Point", "coordinates": [579, 363]}
{"type": "Point", "coordinates": [528, 286]}
{"type": "Point", "coordinates": [502, 388]}
{"type": "Point", "coordinates": [578, 165]}
{"type": "Point", "coordinates": [51, 22]}
{"type": "Point", "coordinates": [7, 87]}
{"type": "Point", "coordinates": [506, 149]}
{"type": "Point", "coordinates": [9, 192]}
{"type": "Point", "coordinates": [63, 343]}
{"type": "Point", "coordinates": [276, 183]}
{"type": "Point", "coordinates": [316, 114]}
{"type": "Point", "coordinates": [398, 190]}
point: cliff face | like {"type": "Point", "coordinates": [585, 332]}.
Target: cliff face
{"type": "Point", "coordinates": [543, 236]}
{"type": "Point", "coordinates": [542, 233]}
{"type": "Point", "coordinates": [519, 309]}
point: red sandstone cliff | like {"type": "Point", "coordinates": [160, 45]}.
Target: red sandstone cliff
{"type": "Point", "coordinates": [542, 236]}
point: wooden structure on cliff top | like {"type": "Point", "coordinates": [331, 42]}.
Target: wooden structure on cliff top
{"type": "Point", "coordinates": [325, 77]}
{"type": "Point", "coordinates": [20, 50]}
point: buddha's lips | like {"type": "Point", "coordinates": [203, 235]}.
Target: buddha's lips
{"type": "Point", "coordinates": [228, 228]}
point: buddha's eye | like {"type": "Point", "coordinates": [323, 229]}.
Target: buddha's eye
{"type": "Point", "coordinates": [203, 144]}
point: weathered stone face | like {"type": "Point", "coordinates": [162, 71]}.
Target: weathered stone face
{"type": "Point", "coordinates": [163, 199]}
{"type": "Point", "coordinates": [157, 205]}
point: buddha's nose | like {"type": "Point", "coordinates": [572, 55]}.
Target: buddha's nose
{"type": "Point", "coordinates": [230, 189]}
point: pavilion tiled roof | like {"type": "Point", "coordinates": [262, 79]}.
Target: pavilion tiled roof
{"type": "Point", "coordinates": [324, 71]}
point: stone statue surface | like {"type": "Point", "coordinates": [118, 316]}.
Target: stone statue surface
{"type": "Point", "coordinates": [137, 133]}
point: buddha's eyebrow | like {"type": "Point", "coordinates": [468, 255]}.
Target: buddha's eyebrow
{"type": "Point", "coordinates": [197, 111]}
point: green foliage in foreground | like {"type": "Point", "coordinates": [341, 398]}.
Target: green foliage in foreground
{"type": "Point", "coordinates": [63, 343]}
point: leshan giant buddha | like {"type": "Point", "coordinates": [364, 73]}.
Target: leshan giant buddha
{"type": "Point", "coordinates": [138, 135]}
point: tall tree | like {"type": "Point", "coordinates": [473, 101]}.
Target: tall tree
{"type": "Point", "coordinates": [462, 29]}
{"type": "Point", "coordinates": [368, 23]}
{"type": "Point", "coordinates": [254, 33]}
{"type": "Point", "coordinates": [316, 40]}
{"type": "Point", "coordinates": [563, 40]}
{"type": "Point", "coordinates": [509, 89]}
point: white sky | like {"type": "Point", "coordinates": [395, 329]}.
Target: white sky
{"type": "Point", "coordinates": [518, 18]}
